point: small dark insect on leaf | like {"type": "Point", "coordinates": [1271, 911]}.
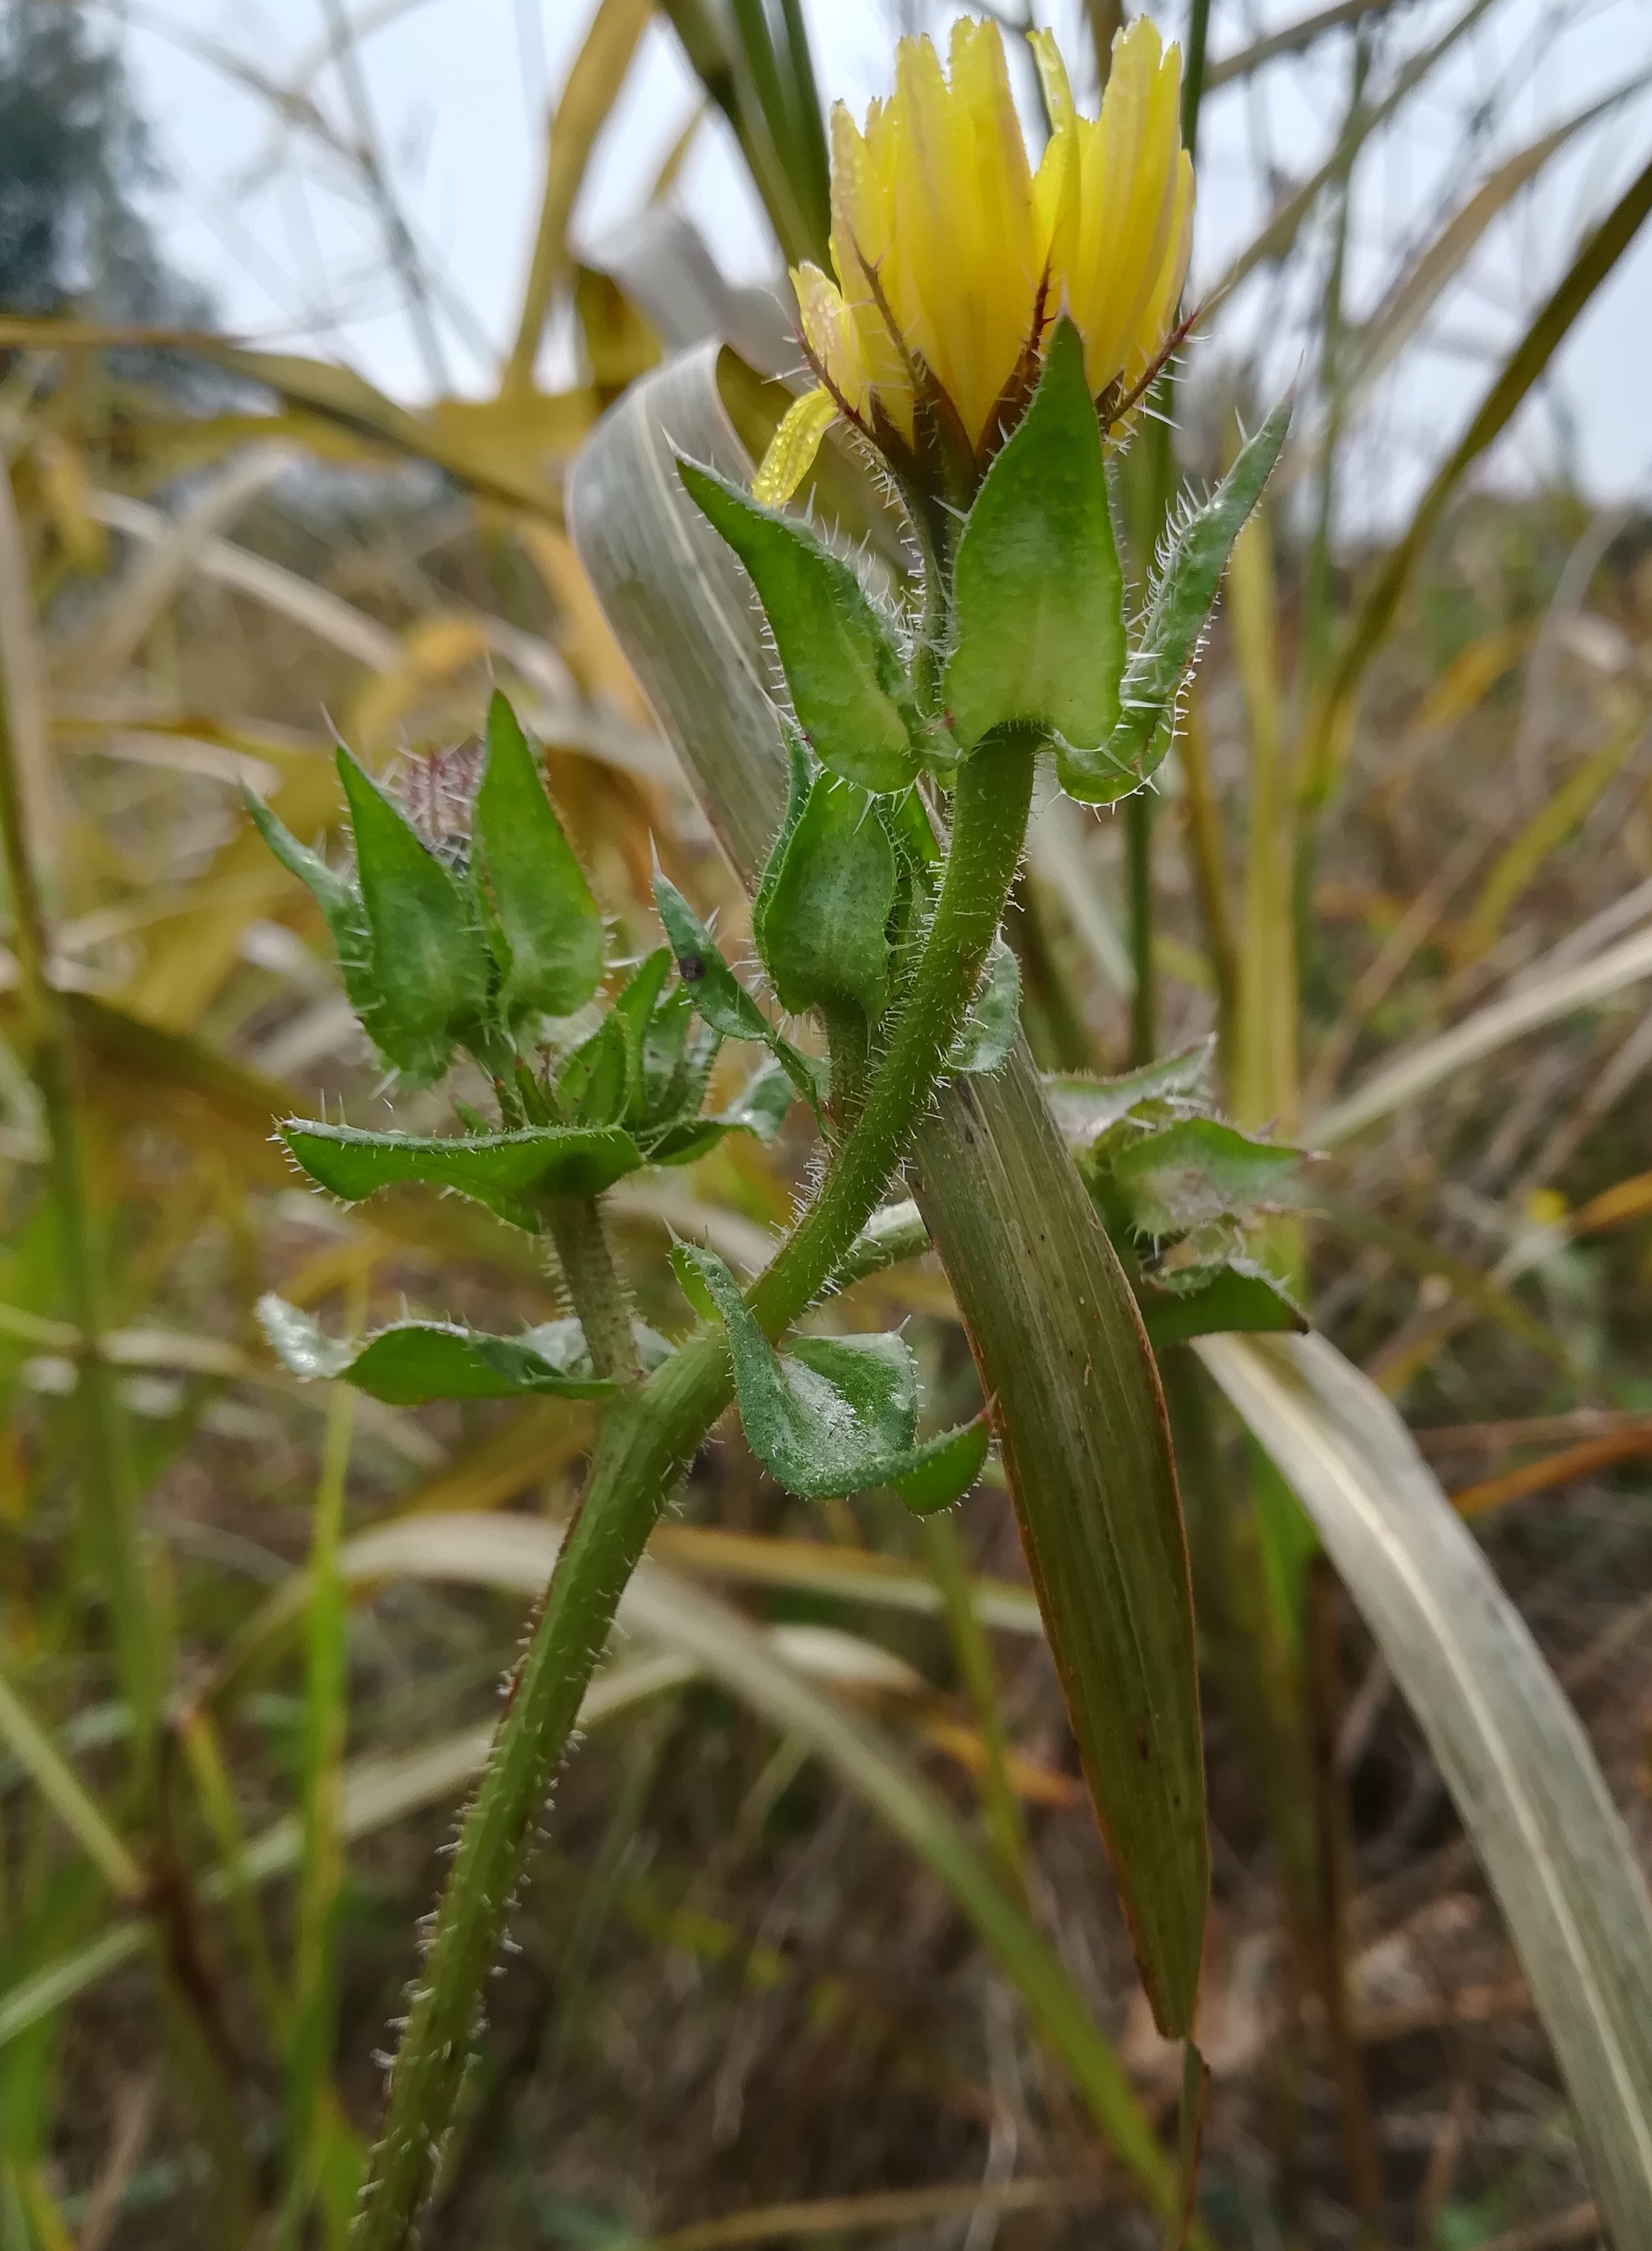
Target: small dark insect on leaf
{"type": "Point", "coordinates": [690, 968]}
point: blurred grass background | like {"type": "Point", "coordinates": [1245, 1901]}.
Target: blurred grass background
{"type": "Point", "coordinates": [1414, 786]}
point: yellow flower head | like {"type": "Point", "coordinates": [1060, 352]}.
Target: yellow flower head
{"type": "Point", "coordinates": [954, 259]}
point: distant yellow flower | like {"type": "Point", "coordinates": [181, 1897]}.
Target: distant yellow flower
{"type": "Point", "coordinates": [954, 259]}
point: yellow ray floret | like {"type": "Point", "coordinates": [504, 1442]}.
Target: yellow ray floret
{"type": "Point", "coordinates": [953, 258]}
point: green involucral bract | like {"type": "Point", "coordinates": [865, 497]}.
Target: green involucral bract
{"type": "Point", "coordinates": [1177, 611]}
{"type": "Point", "coordinates": [429, 967]}
{"type": "Point", "coordinates": [843, 673]}
{"type": "Point", "coordinates": [832, 1415]}
{"type": "Point", "coordinates": [722, 1002]}
{"type": "Point", "coordinates": [546, 926]}
{"type": "Point", "coordinates": [825, 929]}
{"type": "Point", "coordinates": [1038, 593]}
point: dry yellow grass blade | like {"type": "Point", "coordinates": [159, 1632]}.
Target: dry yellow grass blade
{"type": "Point", "coordinates": [589, 93]}
{"type": "Point", "coordinates": [1263, 1086]}
{"type": "Point", "coordinates": [1517, 1763]}
{"type": "Point", "coordinates": [1570, 805]}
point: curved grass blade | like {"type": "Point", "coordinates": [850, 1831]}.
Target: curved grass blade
{"type": "Point", "coordinates": [1514, 1758]}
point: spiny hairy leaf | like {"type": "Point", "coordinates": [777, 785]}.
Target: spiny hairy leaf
{"type": "Point", "coordinates": [507, 1172]}
{"type": "Point", "coordinates": [412, 1361]}
{"type": "Point", "coordinates": [1194, 1172]}
{"type": "Point", "coordinates": [1039, 594]}
{"type": "Point", "coordinates": [1214, 1299]}
{"type": "Point", "coordinates": [722, 1001]}
{"type": "Point", "coordinates": [1177, 611]}
{"type": "Point", "coordinates": [339, 901]}
{"type": "Point", "coordinates": [843, 673]}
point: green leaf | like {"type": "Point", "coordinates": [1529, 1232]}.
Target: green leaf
{"type": "Point", "coordinates": [825, 928]}
{"type": "Point", "coordinates": [1038, 595]}
{"type": "Point", "coordinates": [507, 1172]}
{"type": "Point", "coordinates": [1085, 1107]}
{"type": "Point", "coordinates": [834, 1414]}
{"type": "Point", "coordinates": [634, 1011]}
{"type": "Point", "coordinates": [801, 770]}
{"type": "Point", "coordinates": [592, 1084]}
{"type": "Point", "coordinates": [340, 902]}
{"type": "Point", "coordinates": [1214, 1299]}
{"type": "Point", "coordinates": [722, 1001]}
{"type": "Point", "coordinates": [989, 1031]}
{"type": "Point", "coordinates": [759, 1108]}
{"type": "Point", "coordinates": [429, 969]}
{"type": "Point", "coordinates": [1177, 611]}
{"type": "Point", "coordinates": [943, 1478]}
{"type": "Point", "coordinates": [1194, 1172]}
{"type": "Point", "coordinates": [848, 685]}
{"type": "Point", "coordinates": [412, 1361]}
{"type": "Point", "coordinates": [546, 925]}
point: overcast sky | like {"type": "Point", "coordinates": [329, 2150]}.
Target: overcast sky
{"type": "Point", "coordinates": [458, 89]}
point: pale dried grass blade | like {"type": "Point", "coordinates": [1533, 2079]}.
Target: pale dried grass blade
{"type": "Point", "coordinates": [1539, 1001]}
{"type": "Point", "coordinates": [1517, 1762]}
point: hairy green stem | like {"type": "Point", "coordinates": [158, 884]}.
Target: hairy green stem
{"type": "Point", "coordinates": [849, 1047]}
{"type": "Point", "coordinates": [648, 1439]}
{"type": "Point", "coordinates": [594, 1287]}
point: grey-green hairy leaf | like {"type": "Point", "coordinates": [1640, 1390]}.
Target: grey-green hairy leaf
{"type": "Point", "coordinates": [1194, 1173]}
{"type": "Point", "coordinates": [1518, 1765]}
{"type": "Point", "coordinates": [988, 1030]}
{"type": "Point", "coordinates": [1038, 594]}
{"type": "Point", "coordinates": [507, 1172]}
{"type": "Point", "coordinates": [546, 925]}
{"type": "Point", "coordinates": [1178, 609]}
{"type": "Point", "coordinates": [843, 673]}
{"type": "Point", "coordinates": [412, 1361]}
{"type": "Point", "coordinates": [831, 1414]}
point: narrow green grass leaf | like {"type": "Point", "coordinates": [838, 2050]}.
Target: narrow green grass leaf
{"type": "Point", "coordinates": [67, 1794]}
